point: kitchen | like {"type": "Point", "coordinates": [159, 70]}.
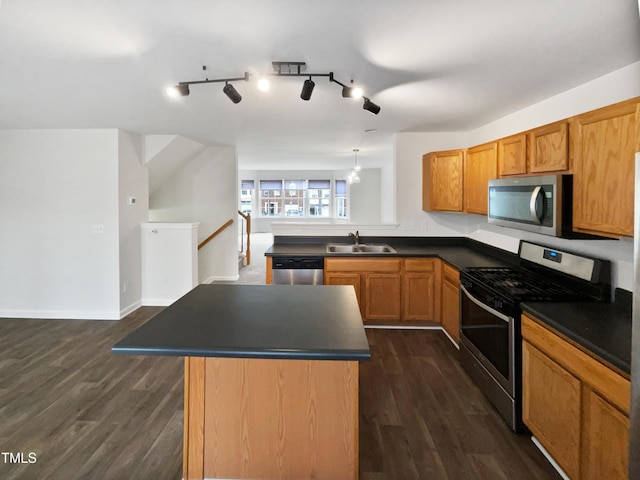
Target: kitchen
{"type": "Point", "coordinates": [55, 286]}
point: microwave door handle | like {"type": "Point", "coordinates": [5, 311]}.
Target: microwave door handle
{"type": "Point", "coordinates": [532, 205]}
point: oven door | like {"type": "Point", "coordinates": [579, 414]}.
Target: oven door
{"type": "Point", "coordinates": [490, 336]}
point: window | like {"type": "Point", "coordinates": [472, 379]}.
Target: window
{"type": "Point", "coordinates": [246, 197]}
{"type": "Point", "coordinates": [271, 198]}
{"type": "Point", "coordinates": [294, 198]}
{"type": "Point", "coordinates": [341, 199]}
{"type": "Point", "coordinates": [319, 198]}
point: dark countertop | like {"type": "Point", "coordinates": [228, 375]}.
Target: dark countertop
{"type": "Point", "coordinates": [459, 252]}
{"type": "Point", "coordinates": [256, 321]}
{"type": "Point", "coordinates": [601, 328]}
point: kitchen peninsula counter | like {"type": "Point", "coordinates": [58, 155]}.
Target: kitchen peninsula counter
{"type": "Point", "coordinates": [271, 378]}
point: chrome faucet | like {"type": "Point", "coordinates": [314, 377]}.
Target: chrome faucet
{"type": "Point", "coordinates": [355, 236]}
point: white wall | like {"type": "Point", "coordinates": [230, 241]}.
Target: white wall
{"type": "Point", "coordinates": [205, 191]}
{"type": "Point", "coordinates": [54, 186]}
{"type": "Point", "coordinates": [412, 220]}
{"type": "Point", "coordinates": [365, 197]}
{"type": "Point", "coordinates": [132, 183]}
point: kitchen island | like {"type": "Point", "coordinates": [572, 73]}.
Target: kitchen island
{"type": "Point", "coordinates": [271, 378]}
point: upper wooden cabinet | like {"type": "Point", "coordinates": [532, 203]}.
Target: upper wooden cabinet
{"type": "Point", "coordinates": [512, 155]}
{"type": "Point", "coordinates": [549, 148]}
{"type": "Point", "coordinates": [605, 142]}
{"type": "Point", "coordinates": [480, 166]}
{"type": "Point", "coordinates": [442, 181]}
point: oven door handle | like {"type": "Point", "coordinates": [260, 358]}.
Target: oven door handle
{"type": "Point", "coordinates": [487, 308]}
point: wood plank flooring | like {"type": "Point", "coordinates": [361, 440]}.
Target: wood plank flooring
{"type": "Point", "coordinates": [88, 414]}
{"type": "Point", "coordinates": [421, 417]}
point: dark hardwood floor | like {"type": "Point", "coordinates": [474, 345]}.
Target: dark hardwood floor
{"type": "Point", "coordinates": [88, 414]}
{"type": "Point", "coordinates": [421, 417]}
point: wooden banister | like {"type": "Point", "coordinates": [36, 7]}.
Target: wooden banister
{"type": "Point", "coordinates": [210, 237]}
{"type": "Point", "coordinates": [247, 217]}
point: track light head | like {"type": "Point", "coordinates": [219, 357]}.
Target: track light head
{"type": "Point", "coordinates": [370, 106]}
{"type": "Point", "coordinates": [307, 89]}
{"type": "Point", "coordinates": [230, 91]}
{"type": "Point", "coordinates": [351, 92]}
{"type": "Point", "coordinates": [178, 90]}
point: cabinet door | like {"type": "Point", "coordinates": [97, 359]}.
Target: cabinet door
{"type": "Point", "coordinates": [381, 296]}
{"type": "Point", "coordinates": [549, 148]}
{"type": "Point", "coordinates": [512, 155]}
{"type": "Point", "coordinates": [421, 289]}
{"type": "Point", "coordinates": [481, 165]}
{"type": "Point", "coordinates": [348, 278]}
{"type": "Point", "coordinates": [551, 404]}
{"type": "Point", "coordinates": [605, 142]}
{"type": "Point", "coordinates": [605, 451]}
{"type": "Point", "coordinates": [451, 301]}
{"type": "Point", "coordinates": [442, 174]}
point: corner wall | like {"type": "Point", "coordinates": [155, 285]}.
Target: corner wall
{"type": "Point", "coordinates": [133, 183]}
{"type": "Point", "coordinates": [55, 186]}
{"type": "Point", "coordinates": [205, 191]}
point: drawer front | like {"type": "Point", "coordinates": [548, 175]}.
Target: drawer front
{"type": "Point", "coordinates": [383, 265]}
{"type": "Point", "coordinates": [420, 264]}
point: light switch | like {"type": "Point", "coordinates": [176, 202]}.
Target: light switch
{"type": "Point", "coordinates": [97, 228]}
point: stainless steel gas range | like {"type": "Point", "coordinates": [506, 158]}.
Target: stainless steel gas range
{"type": "Point", "coordinates": [490, 336]}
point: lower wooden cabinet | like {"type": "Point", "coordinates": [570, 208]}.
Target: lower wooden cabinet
{"type": "Point", "coordinates": [390, 289]}
{"type": "Point", "coordinates": [551, 407]}
{"type": "Point", "coordinates": [605, 439]}
{"type": "Point", "coordinates": [451, 301]}
{"type": "Point", "coordinates": [577, 407]}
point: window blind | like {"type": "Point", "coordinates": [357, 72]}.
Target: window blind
{"type": "Point", "coordinates": [270, 184]}
{"type": "Point", "coordinates": [341, 187]}
{"type": "Point", "coordinates": [319, 184]}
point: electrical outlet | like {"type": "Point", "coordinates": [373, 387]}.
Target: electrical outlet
{"type": "Point", "coordinates": [97, 228]}
{"type": "Point", "coordinates": [410, 226]}
{"type": "Point", "coordinates": [124, 287]}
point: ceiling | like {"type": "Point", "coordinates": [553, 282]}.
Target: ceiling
{"type": "Point", "coordinates": [432, 65]}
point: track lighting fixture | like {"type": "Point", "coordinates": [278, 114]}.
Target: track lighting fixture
{"type": "Point", "coordinates": [370, 106]}
{"type": "Point", "coordinates": [281, 69]}
{"type": "Point", "coordinates": [231, 92]}
{"type": "Point", "coordinates": [307, 89]}
{"type": "Point", "coordinates": [180, 90]}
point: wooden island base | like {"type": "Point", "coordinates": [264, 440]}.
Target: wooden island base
{"type": "Point", "coordinates": [270, 419]}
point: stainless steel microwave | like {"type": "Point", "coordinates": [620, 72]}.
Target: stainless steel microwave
{"type": "Point", "coordinates": [536, 204]}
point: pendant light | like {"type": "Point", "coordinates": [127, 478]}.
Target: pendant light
{"type": "Point", "coordinates": [354, 176]}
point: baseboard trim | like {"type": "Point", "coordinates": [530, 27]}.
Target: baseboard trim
{"type": "Point", "coordinates": [548, 456]}
{"type": "Point", "coordinates": [61, 314]}
{"type": "Point", "coordinates": [131, 308]}
{"type": "Point", "coordinates": [222, 278]}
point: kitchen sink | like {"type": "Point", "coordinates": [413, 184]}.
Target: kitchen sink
{"type": "Point", "coordinates": [342, 249]}
{"type": "Point", "coordinates": [361, 248]}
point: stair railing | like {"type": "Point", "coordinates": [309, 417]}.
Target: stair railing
{"type": "Point", "coordinates": [247, 218]}
{"type": "Point", "coordinates": [214, 234]}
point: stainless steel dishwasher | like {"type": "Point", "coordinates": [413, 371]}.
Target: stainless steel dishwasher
{"type": "Point", "coordinates": [298, 270]}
